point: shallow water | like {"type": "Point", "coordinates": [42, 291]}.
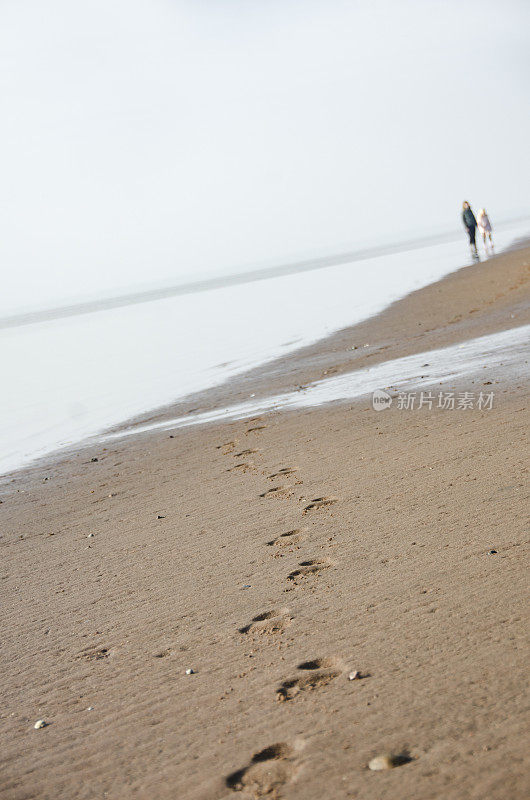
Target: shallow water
{"type": "Point", "coordinates": [505, 354]}
{"type": "Point", "coordinates": [69, 379]}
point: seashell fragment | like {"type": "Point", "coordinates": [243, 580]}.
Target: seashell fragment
{"type": "Point", "coordinates": [381, 762]}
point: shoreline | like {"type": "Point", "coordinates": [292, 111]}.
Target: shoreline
{"type": "Point", "coordinates": [98, 382]}
{"type": "Point", "coordinates": [274, 557]}
{"type": "Point", "coordinates": [364, 344]}
{"type": "Point", "coordinates": [503, 355]}
{"type": "Point", "coordinates": [480, 301]}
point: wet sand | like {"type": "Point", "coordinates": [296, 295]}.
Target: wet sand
{"type": "Point", "coordinates": [275, 557]}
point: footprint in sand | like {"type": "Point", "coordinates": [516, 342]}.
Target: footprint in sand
{"type": "Point", "coordinates": [162, 653]}
{"type": "Point", "coordinates": [278, 491]}
{"type": "Point", "coordinates": [293, 537]}
{"type": "Point", "coordinates": [282, 473]}
{"type": "Point", "coordinates": [256, 428]}
{"type": "Point", "coordinates": [94, 654]}
{"type": "Point", "coordinates": [242, 467]}
{"type": "Point", "coordinates": [308, 568]}
{"type": "Point", "coordinates": [267, 772]}
{"type": "Point", "coordinates": [248, 452]}
{"type": "Point", "coordinates": [319, 502]}
{"type": "Point", "coordinates": [321, 672]}
{"type": "Point", "coordinates": [268, 622]}
{"type": "Point", "coordinates": [226, 447]}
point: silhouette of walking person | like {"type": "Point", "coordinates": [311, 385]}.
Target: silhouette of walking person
{"type": "Point", "coordinates": [470, 224]}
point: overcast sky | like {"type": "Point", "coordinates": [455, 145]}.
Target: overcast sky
{"type": "Point", "coordinates": [147, 141]}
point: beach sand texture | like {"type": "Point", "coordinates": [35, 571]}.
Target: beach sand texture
{"type": "Point", "coordinates": [344, 584]}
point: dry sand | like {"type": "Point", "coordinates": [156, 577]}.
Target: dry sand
{"type": "Point", "coordinates": [274, 557]}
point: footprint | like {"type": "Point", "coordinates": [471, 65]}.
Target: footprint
{"type": "Point", "coordinates": [162, 653]}
{"type": "Point", "coordinates": [246, 452]}
{"type": "Point", "coordinates": [319, 663]}
{"type": "Point", "coordinates": [319, 502]}
{"type": "Point", "coordinates": [226, 447]}
{"type": "Point", "coordinates": [94, 654]}
{"type": "Point", "coordinates": [307, 568]}
{"type": "Point", "coordinates": [256, 428]}
{"type": "Point", "coordinates": [289, 538]}
{"type": "Point", "coordinates": [282, 473]}
{"type": "Point", "coordinates": [390, 760]}
{"type": "Point", "coordinates": [267, 772]}
{"type": "Point", "coordinates": [268, 622]}
{"type": "Point", "coordinates": [243, 467]}
{"type": "Point", "coordinates": [278, 491]}
{"type": "Point", "coordinates": [323, 671]}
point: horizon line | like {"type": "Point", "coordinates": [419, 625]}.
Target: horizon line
{"type": "Point", "coordinates": [232, 279]}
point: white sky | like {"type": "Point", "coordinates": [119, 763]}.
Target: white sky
{"type": "Point", "coordinates": [147, 141]}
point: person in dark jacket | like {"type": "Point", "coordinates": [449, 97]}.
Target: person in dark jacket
{"type": "Point", "coordinates": [470, 224]}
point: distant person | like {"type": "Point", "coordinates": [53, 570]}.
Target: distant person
{"type": "Point", "coordinates": [484, 226]}
{"type": "Point", "coordinates": [470, 224]}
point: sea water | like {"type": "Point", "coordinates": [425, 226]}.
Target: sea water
{"type": "Point", "coordinates": [505, 354]}
{"type": "Point", "coordinates": [67, 379]}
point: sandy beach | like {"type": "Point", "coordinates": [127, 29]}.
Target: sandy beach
{"type": "Point", "coordinates": [343, 584]}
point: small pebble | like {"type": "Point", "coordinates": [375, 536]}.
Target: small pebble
{"type": "Point", "coordinates": [246, 586]}
{"type": "Point", "coordinates": [159, 516]}
{"type": "Point", "coordinates": [90, 708]}
{"type": "Point", "coordinates": [40, 724]}
{"type": "Point", "coordinates": [355, 675]}
{"type": "Point", "coordinates": [90, 536]}
{"type": "Point", "coordinates": [381, 762]}
{"type": "Point", "coordinates": [492, 552]}
{"type": "Point", "coordinates": [93, 460]}
{"type": "Point", "coordinates": [190, 672]}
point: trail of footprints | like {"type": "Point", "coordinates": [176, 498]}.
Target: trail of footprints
{"type": "Point", "coordinates": [276, 765]}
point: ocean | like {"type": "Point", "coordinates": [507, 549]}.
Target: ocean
{"type": "Point", "coordinates": [69, 377]}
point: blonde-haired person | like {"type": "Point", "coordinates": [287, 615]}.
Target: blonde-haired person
{"type": "Point", "coordinates": [484, 226]}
